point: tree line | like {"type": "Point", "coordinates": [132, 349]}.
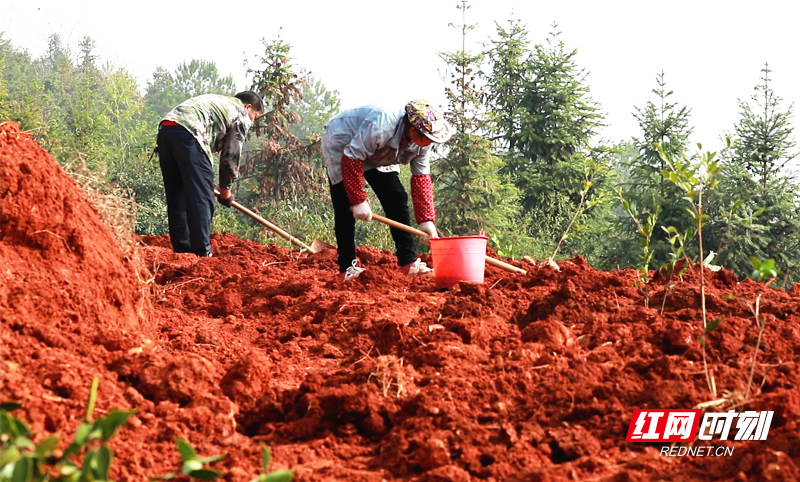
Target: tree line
{"type": "Point", "coordinates": [525, 164]}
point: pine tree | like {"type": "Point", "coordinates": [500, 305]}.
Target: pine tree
{"type": "Point", "coordinates": [23, 82]}
{"type": "Point", "coordinates": [505, 86]}
{"type": "Point", "coordinates": [667, 124]}
{"type": "Point", "coordinates": [471, 194]}
{"type": "Point", "coordinates": [279, 178]}
{"type": "Point", "coordinates": [766, 143]}
{"type": "Point", "coordinates": [278, 160]}
{"type": "Point", "coordinates": [755, 211]}
{"type": "Point", "coordinates": [560, 118]}
{"type": "Point", "coordinates": [548, 120]}
{"type": "Point", "coordinates": [74, 108]}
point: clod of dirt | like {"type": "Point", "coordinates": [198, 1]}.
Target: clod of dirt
{"type": "Point", "coordinates": [448, 473]}
{"type": "Point", "coordinates": [571, 443]}
{"type": "Point", "coordinates": [225, 303]}
{"type": "Point", "coordinates": [432, 454]}
{"type": "Point", "coordinates": [248, 379]}
{"type": "Point", "coordinates": [184, 379]}
{"type": "Point", "coordinates": [677, 337]}
{"type": "Point", "coordinates": [552, 334]}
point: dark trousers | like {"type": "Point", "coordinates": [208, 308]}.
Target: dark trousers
{"type": "Point", "coordinates": [394, 200]}
{"type": "Point", "coordinates": [189, 185]}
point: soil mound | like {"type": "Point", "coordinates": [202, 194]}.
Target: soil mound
{"type": "Point", "coordinates": [385, 377]}
{"type": "Point", "coordinates": [67, 295]}
{"type": "Point", "coordinates": [64, 277]}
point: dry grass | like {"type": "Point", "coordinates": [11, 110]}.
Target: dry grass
{"type": "Point", "coordinates": [115, 206]}
{"type": "Point", "coordinates": [118, 210]}
{"type": "Point", "coordinates": [393, 377]}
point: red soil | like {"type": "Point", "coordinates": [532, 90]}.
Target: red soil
{"type": "Point", "coordinates": [523, 378]}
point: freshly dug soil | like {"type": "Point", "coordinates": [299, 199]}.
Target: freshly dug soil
{"type": "Point", "coordinates": [522, 378]}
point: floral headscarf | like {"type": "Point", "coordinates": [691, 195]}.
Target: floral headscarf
{"type": "Point", "coordinates": [429, 120]}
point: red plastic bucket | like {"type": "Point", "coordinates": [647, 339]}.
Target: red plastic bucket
{"type": "Point", "coordinates": [460, 258]}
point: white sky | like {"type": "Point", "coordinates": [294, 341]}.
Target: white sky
{"type": "Point", "coordinates": [373, 51]}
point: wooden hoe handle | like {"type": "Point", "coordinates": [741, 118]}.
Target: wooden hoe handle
{"type": "Point", "coordinates": [272, 227]}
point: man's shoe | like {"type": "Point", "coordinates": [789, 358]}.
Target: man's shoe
{"type": "Point", "coordinates": [353, 271]}
{"type": "Point", "coordinates": [207, 254]}
{"type": "Point", "coordinates": [417, 268]}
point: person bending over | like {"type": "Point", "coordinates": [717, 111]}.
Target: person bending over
{"type": "Point", "coordinates": [371, 143]}
{"type": "Point", "coordinates": [187, 136]}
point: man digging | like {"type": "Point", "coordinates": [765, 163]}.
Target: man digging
{"type": "Point", "coordinates": [186, 138]}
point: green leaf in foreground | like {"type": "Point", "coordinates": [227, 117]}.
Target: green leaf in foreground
{"type": "Point", "coordinates": [23, 470]}
{"type": "Point", "coordinates": [278, 476]}
{"type": "Point", "coordinates": [266, 457]}
{"type": "Point", "coordinates": [205, 474]}
{"type": "Point", "coordinates": [10, 406]}
{"type": "Point", "coordinates": [102, 462]}
{"type": "Point", "coordinates": [712, 325]}
{"type": "Point", "coordinates": [186, 450]}
{"type": "Point", "coordinates": [47, 446]}
{"type": "Point", "coordinates": [213, 458]}
{"type": "Point", "coordinates": [190, 466]}
{"type": "Point", "coordinates": [111, 423]}
{"type": "Point", "coordinates": [8, 456]}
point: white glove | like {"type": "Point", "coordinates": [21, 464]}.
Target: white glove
{"type": "Point", "coordinates": [430, 230]}
{"type": "Point", "coordinates": [362, 211]}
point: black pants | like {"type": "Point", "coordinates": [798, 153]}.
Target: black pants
{"type": "Point", "coordinates": [189, 185]}
{"type": "Point", "coordinates": [393, 198]}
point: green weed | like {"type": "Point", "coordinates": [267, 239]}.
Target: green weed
{"type": "Point", "coordinates": [645, 232]}
{"type": "Point", "coordinates": [677, 242]}
{"type": "Point", "coordinates": [696, 177]}
{"type": "Point", "coordinates": [193, 466]}
{"type": "Point", "coordinates": [275, 476]}
{"type": "Point", "coordinates": [22, 461]}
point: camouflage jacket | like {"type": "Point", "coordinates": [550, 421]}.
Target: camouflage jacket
{"type": "Point", "coordinates": [219, 123]}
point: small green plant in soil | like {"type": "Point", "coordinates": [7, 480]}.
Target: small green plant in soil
{"type": "Point", "coordinates": [23, 461]}
{"type": "Point", "coordinates": [677, 242]}
{"type": "Point", "coordinates": [696, 176]}
{"type": "Point", "coordinates": [590, 198]}
{"type": "Point", "coordinates": [761, 269]}
{"type": "Point", "coordinates": [274, 476]}
{"type": "Point", "coordinates": [645, 232]}
{"type": "Point", "coordinates": [193, 466]}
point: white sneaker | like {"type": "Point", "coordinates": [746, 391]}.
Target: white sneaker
{"type": "Point", "coordinates": [353, 271]}
{"type": "Point", "coordinates": [417, 268]}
